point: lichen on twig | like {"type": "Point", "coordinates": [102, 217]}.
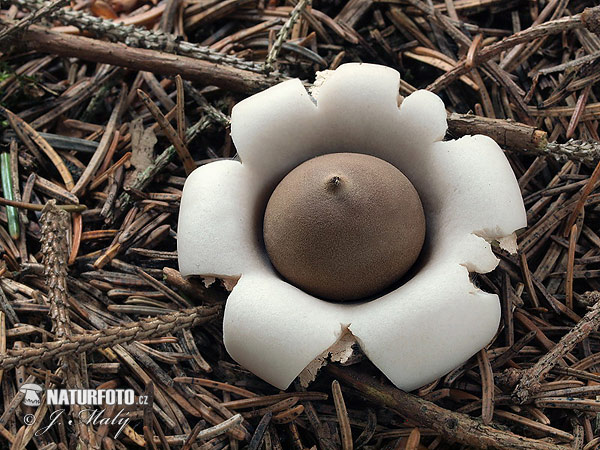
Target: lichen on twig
{"type": "Point", "coordinates": [139, 37]}
{"type": "Point", "coordinates": [130, 332]}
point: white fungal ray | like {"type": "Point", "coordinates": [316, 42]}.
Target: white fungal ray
{"type": "Point", "coordinates": [275, 329]}
{"type": "Point", "coordinates": [219, 225]}
{"type": "Point", "coordinates": [414, 334]}
{"type": "Point", "coordinates": [280, 123]}
{"type": "Point", "coordinates": [428, 326]}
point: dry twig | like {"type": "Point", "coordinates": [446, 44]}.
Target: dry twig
{"type": "Point", "coordinates": [530, 380]}
{"type": "Point", "coordinates": [452, 426]}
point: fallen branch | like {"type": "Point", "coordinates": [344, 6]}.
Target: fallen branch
{"type": "Point", "coordinates": [508, 134]}
{"type": "Point", "coordinates": [138, 36]}
{"type": "Point", "coordinates": [523, 138]}
{"type": "Point", "coordinates": [116, 54]}
{"type": "Point", "coordinates": [454, 427]}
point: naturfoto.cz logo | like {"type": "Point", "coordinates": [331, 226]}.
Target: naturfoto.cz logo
{"type": "Point", "coordinates": [86, 398]}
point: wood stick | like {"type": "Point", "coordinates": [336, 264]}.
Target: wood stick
{"type": "Point", "coordinates": [38, 39]}
{"type": "Point", "coordinates": [508, 134]}
{"type": "Point", "coordinates": [522, 138]}
{"type": "Point", "coordinates": [454, 427]}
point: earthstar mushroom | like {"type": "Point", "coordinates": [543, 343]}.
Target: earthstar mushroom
{"type": "Point", "coordinates": [435, 319]}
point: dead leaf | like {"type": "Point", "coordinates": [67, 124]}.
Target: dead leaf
{"type": "Point", "coordinates": [124, 5]}
{"type": "Point", "coordinates": [102, 9]}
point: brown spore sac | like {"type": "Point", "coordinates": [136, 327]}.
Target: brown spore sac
{"type": "Point", "coordinates": [344, 226]}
